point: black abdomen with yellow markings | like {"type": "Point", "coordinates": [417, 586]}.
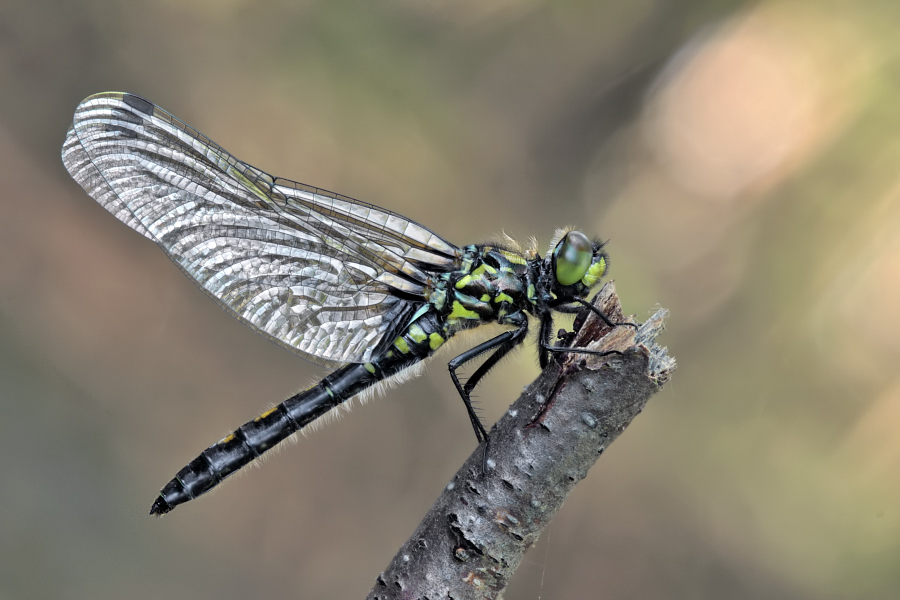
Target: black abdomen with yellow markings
{"type": "Point", "coordinates": [342, 283]}
{"type": "Point", "coordinates": [263, 433]}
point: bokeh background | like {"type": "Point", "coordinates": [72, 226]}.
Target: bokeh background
{"type": "Point", "coordinates": [742, 159]}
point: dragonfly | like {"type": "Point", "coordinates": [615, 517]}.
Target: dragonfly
{"type": "Point", "coordinates": [344, 284]}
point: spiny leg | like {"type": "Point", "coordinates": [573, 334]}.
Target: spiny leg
{"type": "Point", "coordinates": [500, 343]}
{"type": "Point", "coordinates": [493, 359]}
{"type": "Point", "coordinates": [584, 303]}
{"type": "Point", "coordinates": [504, 344]}
{"type": "Point", "coordinates": [546, 347]}
{"type": "Point", "coordinates": [544, 335]}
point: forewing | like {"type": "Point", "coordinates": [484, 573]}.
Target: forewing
{"type": "Point", "coordinates": [322, 274]}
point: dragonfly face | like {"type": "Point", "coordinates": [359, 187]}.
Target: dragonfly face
{"type": "Point", "coordinates": [342, 283]}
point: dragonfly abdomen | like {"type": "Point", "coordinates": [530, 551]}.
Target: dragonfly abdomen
{"type": "Point", "coordinates": [249, 441]}
{"type": "Point", "coordinates": [252, 439]}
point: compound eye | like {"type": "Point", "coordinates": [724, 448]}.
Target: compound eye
{"type": "Point", "coordinates": [572, 257]}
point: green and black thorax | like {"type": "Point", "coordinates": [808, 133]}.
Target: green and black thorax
{"type": "Point", "coordinates": [504, 285]}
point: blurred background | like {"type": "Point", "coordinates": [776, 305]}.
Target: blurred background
{"type": "Point", "coordinates": [741, 158]}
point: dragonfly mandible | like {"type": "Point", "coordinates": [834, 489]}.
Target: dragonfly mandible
{"type": "Point", "coordinates": [342, 283]}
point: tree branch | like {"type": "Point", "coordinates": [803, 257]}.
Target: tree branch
{"type": "Point", "coordinates": [474, 537]}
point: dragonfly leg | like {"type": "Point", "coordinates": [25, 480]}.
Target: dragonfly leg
{"type": "Point", "coordinates": [544, 335]}
{"type": "Point", "coordinates": [502, 345]}
{"type": "Point", "coordinates": [493, 359]}
{"type": "Point", "coordinates": [546, 347]}
{"type": "Point", "coordinates": [582, 303]}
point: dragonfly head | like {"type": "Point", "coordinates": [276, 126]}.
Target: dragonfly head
{"type": "Point", "coordinates": [577, 264]}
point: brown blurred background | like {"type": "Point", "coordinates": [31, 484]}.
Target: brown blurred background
{"type": "Point", "coordinates": [742, 159]}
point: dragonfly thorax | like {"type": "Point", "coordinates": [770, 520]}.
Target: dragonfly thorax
{"type": "Point", "coordinates": [496, 284]}
{"type": "Point", "coordinates": [490, 284]}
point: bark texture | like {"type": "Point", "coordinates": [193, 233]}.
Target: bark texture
{"type": "Point", "coordinates": [474, 537]}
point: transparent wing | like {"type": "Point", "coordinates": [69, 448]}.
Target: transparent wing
{"type": "Point", "coordinates": [322, 274]}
